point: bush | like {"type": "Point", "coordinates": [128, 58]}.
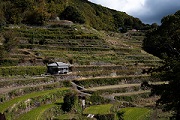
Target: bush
{"type": "Point", "coordinates": [72, 14]}
{"type": "Point", "coordinates": [69, 101]}
{"type": "Point", "coordinates": [10, 40]}
{"type": "Point", "coordinates": [38, 16]}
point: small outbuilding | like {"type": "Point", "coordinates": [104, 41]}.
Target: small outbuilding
{"type": "Point", "coordinates": [58, 68]}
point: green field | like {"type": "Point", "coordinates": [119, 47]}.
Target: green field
{"type": "Point", "coordinates": [36, 114]}
{"type": "Point", "coordinates": [136, 113]}
{"type": "Point", "coordinates": [98, 109]}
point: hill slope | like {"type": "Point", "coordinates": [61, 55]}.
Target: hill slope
{"type": "Point", "coordinates": [79, 11]}
{"type": "Point", "coordinates": [109, 63]}
{"type": "Point", "coordinates": [99, 58]}
{"type": "Point", "coordinates": [77, 44]}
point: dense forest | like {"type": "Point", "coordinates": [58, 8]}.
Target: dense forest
{"type": "Point", "coordinates": [38, 12]}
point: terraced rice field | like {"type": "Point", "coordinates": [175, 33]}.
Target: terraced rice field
{"type": "Point", "coordinates": [38, 112]}
{"type": "Point", "coordinates": [98, 109]}
{"type": "Point", "coordinates": [110, 66]}
{"type": "Point", "coordinates": [136, 113]}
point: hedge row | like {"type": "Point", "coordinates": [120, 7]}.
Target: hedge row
{"type": "Point", "coordinates": [22, 70]}
{"type": "Point", "coordinates": [94, 82]}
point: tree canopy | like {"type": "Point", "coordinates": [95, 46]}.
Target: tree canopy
{"type": "Point", "coordinates": [72, 13]}
{"type": "Point", "coordinates": [165, 43]}
{"type": "Point", "coordinates": [38, 12]}
{"type": "Point", "coordinates": [165, 40]}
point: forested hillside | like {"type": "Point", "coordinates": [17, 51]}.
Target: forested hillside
{"type": "Point", "coordinates": [165, 40]}
{"type": "Point", "coordinates": [38, 12]}
{"type": "Point", "coordinates": [165, 43]}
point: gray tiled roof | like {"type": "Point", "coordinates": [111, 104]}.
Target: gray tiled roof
{"type": "Point", "coordinates": [58, 64]}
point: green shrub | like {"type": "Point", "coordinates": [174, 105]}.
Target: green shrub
{"type": "Point", "coordinates": [69, 101]}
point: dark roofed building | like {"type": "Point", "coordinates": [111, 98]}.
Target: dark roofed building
{"type": "Point", "coordinates": [58, 68]}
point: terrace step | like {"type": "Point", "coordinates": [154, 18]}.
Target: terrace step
{"type": "Point", "coordinates": [22, 104]}
{"type": "Point", "coordinates": [113, 87]}
{"type": "Point", "coordinates": [37, 113]}
{"type": "Point", "coordinates": [121, 86]}
{"type": "Point", "coordinates": [131, 93]}
{"type": "Point", "coordinates": [9, 89]}
{"type": "Point", "coordinates": [25, 82]}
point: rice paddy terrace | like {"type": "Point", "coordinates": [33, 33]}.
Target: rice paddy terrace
{"type": "Point", "coordinates": [107, 66]}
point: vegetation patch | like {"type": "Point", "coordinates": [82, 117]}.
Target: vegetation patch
{"type": "Point", "coordinates": [132, 98]}
{"type": "Point", "coordinates": [22, 70]}
{"type": "Point", "coordinates": [134, 113]}
{"type": "Point", "coordinates": [10, 94]}
{"type": "Point", "coordinates": [4, 106]}
{"type": "Point", "coordinates": [98, 109]}
{"type": "Point", "coordinates": [94, 82]}
{"type": "Point", "coordinates": [37, 113]}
